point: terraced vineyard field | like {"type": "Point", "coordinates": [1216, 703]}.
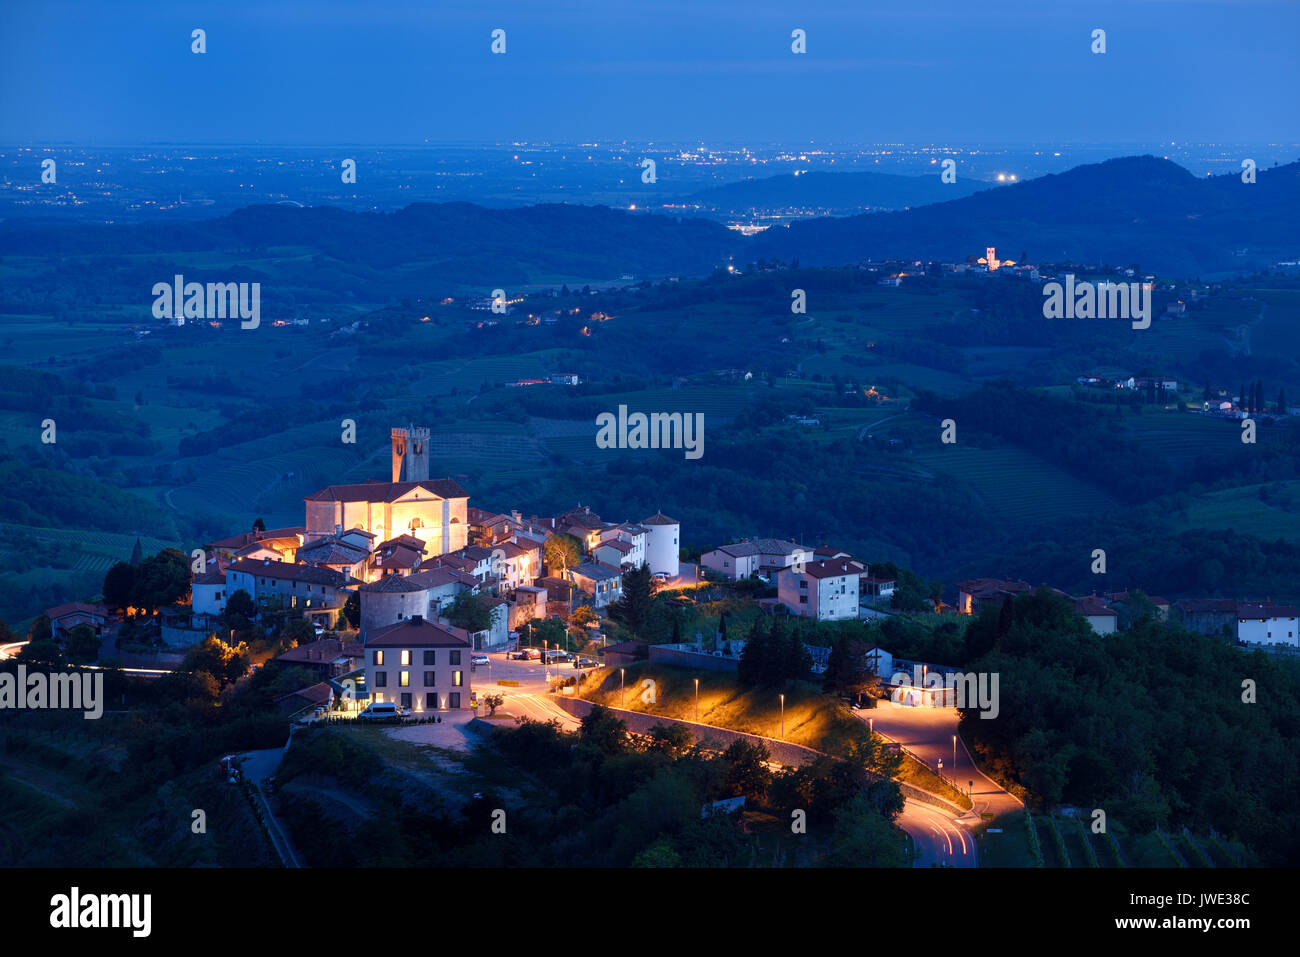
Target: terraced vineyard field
{"type": "Point", "coordinates": [1015, 485]}
{"type": "Point", "coordinates": [1183, 437]}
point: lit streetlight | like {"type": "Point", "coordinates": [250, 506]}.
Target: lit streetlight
{"type": "Point", "coordinates": [622, 700]}
{"type": "Point", "coordinates": [954, 754]}
{"type": "Point", "coordinates": [697, 699]}
{"type": "Point", "coordinates": [783, 716]}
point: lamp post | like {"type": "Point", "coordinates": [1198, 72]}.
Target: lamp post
{"type": "Point", "coordinates": [697, 700]}
{"type": "Point", "coordinates": [783, 717]}
{"type": "Point", "coordinates": [954, 754]}
{"type": "Point", "coordinates": [621, 698]}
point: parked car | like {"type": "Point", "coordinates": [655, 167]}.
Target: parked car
{"type": "Point", "coordinates": [585, 662]}
{"type": "Point", "coordinates": [478, 659]}
{"type": "Point", "coordinates": [529, 654]}
{"type": "Point", "coordinates": [382, 709]}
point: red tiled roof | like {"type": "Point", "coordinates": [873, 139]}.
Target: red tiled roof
{"type": "Point", "coordinates": [386, 491]}
{"type": "Point", "coordinates": [76, 608]}
{"type": "Point", "coordinates": [831, 568]}
{"type": "Point", "coordinates": [288, 571]}
{"type": "Point", "coordinates": [417, 633]}
{"type": "Point", "coordinates": [325, 650]}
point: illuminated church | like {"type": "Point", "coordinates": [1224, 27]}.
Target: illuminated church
{"type": "Point", "coordinates": [432, 510]}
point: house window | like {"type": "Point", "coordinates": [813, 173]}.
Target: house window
{"type": "Point", "coordinates": [404, 679]}
{"type": "Point", "coordinates": [406, 701]}
{"type": "Point", "coordinates": [803, 585]}
{"type": "Point", "coordinates": [431, 701]}
{"type": "Point", "coordinates": [406, 656]}
{"type": "Point", "coordinates": [430, 657]}
{"type": "Point", "coordinates": [455, 658]}
{"type": "Point", "coordinates": [430, 679]}
{"type": "Point", "coordinates": [379, 657]}
{"type": "Point", "coordinates": [457, 679]}
{"type": "Point", "coordinates": [803, 599]}
{"type": "Point", "coordinates": [381, 679]}
{"type": "Point", "coordinates": [454, 699]}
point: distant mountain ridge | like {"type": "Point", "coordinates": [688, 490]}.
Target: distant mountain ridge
{"type": "Point", "coordinates": [1134, 209]}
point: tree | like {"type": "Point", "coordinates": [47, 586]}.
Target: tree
{"type": "Point", "coordinates": [471, 612]}
{"type": "Point", "coordinates": [494, 701]}
{"type": "Point", "coordinates": [119, 585]}
{"type": "Point", "coordinates": [603, 730]}
{"type": "Point", "coordinates": [41, 629]}
{"type": "Point", "coordinates": [753, 659]}
{"type": "Point", "coordinates": [43, 650]}
{"type": "Point", "coordinates": [298, 631]}
{"type": "Point", "coordinates": [747, 770]}
{"type": "Point", "coordinates": [224, 662]}
{"type": "Point", "coordinates": [634, 607]}
{"type": "Point", "coordinates": [259, 525]}
{"type": "Point", "coordinates": [561, 552]}
{"type": "Point", "coordinates": [137, 554]}
{"type": "Point", "coordinates": [673, 740]}
{"type": "Point", "coordinates": [352, 610]}
{"type": "Point", "coordinates": [583, 615]}
{"type": "Point", "coordinates": [862, 837]}
{"type": "Point", "coordinates": [162, 580]}
{"type": "Point", "coordinates": [82, 644]}
{"type": "Point", "coordinates": [847, 670]}
{"type": "Point", "coordinates": [240, 610]}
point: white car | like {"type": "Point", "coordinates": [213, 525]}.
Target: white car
{"type": "Point", "coordinates": [478, 659]}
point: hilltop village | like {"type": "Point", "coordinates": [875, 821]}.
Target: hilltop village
{"type": "Point", "coordinates": [384, 572]}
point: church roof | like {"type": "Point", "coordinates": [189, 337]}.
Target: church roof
{"type": "Point", "coordinates": [386, 491]}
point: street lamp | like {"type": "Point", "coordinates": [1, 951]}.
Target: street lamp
{"type": "Point", "coordinates": [697, 700]}
{"type": "Point", "coordinates": [782, 716]}
{"type": "Point", "coordinates": [954, 754]}
{"type": "Point", "coordinates": [621, 698]}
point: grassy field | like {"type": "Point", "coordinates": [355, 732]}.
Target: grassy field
{"type": "Point", "coordinates": [1015, 485]}
{"type": "Point", "coordinates": [812, 719]}
{"type": "Point", "coordinates": [1242, 510]}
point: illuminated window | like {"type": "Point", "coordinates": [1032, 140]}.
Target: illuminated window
{"type": "Point", "coordinates": [379, 657]}
{"type": "Point", "coordinates": [406, 656]}
{"type": "Point", "coordinates": [404, 679]}
{"type": "Point", "coordinates": [456, 679]}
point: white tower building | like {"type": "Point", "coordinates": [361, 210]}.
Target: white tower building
{"type": "Point", "coordinates": [663, 548]}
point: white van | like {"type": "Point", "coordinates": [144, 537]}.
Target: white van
{"type": "Point", "coordinates": [382, 709]}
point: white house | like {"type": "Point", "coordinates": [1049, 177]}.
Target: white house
{"type": "Point", "coordinates": [208, 593]}
{"type": "Point", "coordinates": [419, 665]}
{"type": "Point", "coordinates": [825, 590]}
{"type": "Point", "coordinates": [1261, 623]}
{"type": "Point", "coordinates": [602, 582]}
{"type": "Point", "coordinates": [735, 561]}
{"type": "Point", "coordinates": [316, 592]}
